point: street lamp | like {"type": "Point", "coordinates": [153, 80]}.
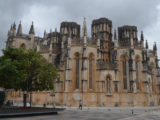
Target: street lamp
{"type": "Point", "coordinates": [24, 98]}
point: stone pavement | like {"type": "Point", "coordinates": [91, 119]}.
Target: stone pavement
{"type": "Point", "coordinates": [146, 113]}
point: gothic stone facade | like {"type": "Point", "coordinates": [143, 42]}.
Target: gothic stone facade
{"type": "Point", "coordinates": [104, 70]}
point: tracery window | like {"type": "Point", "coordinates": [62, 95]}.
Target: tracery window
{"type": "Point", "coordinates": [159, 88]}
{"type": "Point", "coordinates": [90, 71]}
{"type": "Point", "coordinates": [77, 71]}
{"type": "Point", "coordinates": [108, 86]}
{"type": "Point", "coordinates": [124, 74]}
{"type": "Point", "coordinates": [152, 77]}
{"type": "Point", "coordinates": [137, 74]}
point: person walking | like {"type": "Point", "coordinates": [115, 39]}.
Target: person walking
{"type": "Point", "coordinates": [80, 104]}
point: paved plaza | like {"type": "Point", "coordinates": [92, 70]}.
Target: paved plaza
{"type": "Point", "coordinates": [100, 114]}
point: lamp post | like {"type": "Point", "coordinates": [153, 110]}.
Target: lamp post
{"type": "Point", "coordinates": [133, 97]}
{"type": "Point", "coordinates": [31, 92]}
{"type": "Point", "coordinates": [24, 98]}
{"type": "Point", "coordinates": [82, 94]}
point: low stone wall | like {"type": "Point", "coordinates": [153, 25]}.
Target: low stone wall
{"type": "Point", "coordinates": [89, 99]}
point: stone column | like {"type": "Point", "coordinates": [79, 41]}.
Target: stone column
{"type": "Point", "coordinates": [84, 58]}
{"type": "Point", "coordinates": [84, 70]}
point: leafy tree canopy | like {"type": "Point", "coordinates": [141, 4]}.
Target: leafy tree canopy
{"type": "Point", "coordinates": [22, 69]}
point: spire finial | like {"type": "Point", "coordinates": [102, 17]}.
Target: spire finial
{"type": "Point", "coordinates": [84, 28]}
{"type": "Point", "coordinates": [45, 34]}
{"type": "Point", "coordinates": [142, 38]}
{"type": "Point", "coordinates": [31, 31]}
{"type": "Point", "coordinates": [55, 29]}
{"type": "Point", "coordinates": [115, 34]}
{"type": "Point", "coordinates": [19, 30]}
{"type": "Point", "coordinates": [14, 25]}
{"type": "Point", "coordinates": [155, 46]}
{"type": "Point", "coordinates": [146, 44]}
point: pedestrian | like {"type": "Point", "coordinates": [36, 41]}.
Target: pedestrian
{"type": "Point", "coordinates": [80, 104]}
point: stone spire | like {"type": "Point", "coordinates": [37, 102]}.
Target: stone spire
{"type": "Point", "coordinates": [115, 35]}
{"type": "Point", "coordinates": [31, 31]}
{"type": "Point", "coordinates": [115, 39]}
{"type": "Point", "coordinates": [84, 28]}
{"type": "Point", "coordinates": [155, 47]}
{"type": "Point", "coordinates": [146, 45]}
{"type": "Point", "coordinates": [31, 34]}
{"type": "Point", "coordinates": [45, 34]}
{"type": "Point", "coordinates": [14, 29]}
{"type": "Point", "coordinates": [19, 31]}
{"type": "Point", "coordinates": [55, 30]}
{"type": "Point", "coordinates": [84, 55]}
{"type": "Point", "coordinates": [142, 40]}
{"type": "Point", "coordinates": [14, 26]}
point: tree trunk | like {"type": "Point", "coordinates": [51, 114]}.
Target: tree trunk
{"type": "Point", "coordinates": [31, 99]}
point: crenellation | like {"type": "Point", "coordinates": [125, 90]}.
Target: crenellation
{"type": "Point", "coordinates": [102, 28]}
{"type": "Point", "coordinates": [70, 27]}
{"type": "Point", "coordinates": [125, 34]}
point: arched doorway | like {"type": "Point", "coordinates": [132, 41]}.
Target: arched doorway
{"type": "Point", "coordinates": [23, 46]}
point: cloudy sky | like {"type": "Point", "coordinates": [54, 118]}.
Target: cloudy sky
{"type": "Point", "coordinates": [48, 14]}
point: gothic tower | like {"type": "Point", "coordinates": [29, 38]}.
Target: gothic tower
{"type": "Point", "coordinates": [102, 29]}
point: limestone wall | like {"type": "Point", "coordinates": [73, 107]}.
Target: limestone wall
{"type": "Point", "coordinates": [89, 99]}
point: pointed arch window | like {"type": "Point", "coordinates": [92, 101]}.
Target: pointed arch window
{"type": "Point", "coordinates": [90, 70]}
{"type": "Point", "coordinates": [159, 89]}
{"type": "Point", "coordinates": [77, 70]}
{"type": "Point", "coordinates": [108, 85]}
{"type": "Point", "coordinates": [23, 46]}
{"type": "Point", "coordinates": [137, 74]}
{"type": "Point", "coordinates": [152, 77]}
{"type": "Point", "coordinates": [125, 74]}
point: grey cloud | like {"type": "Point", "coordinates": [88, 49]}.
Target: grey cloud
{"type": "Point", "coordinates": [10, 11]}
{"type": "Point", "coordinates": [142, 13]}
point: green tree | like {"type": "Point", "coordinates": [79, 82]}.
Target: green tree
{"type": "Point", "coordinates": [26, 70]}
{"type": "Point", "coordinates": [2, 98]}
